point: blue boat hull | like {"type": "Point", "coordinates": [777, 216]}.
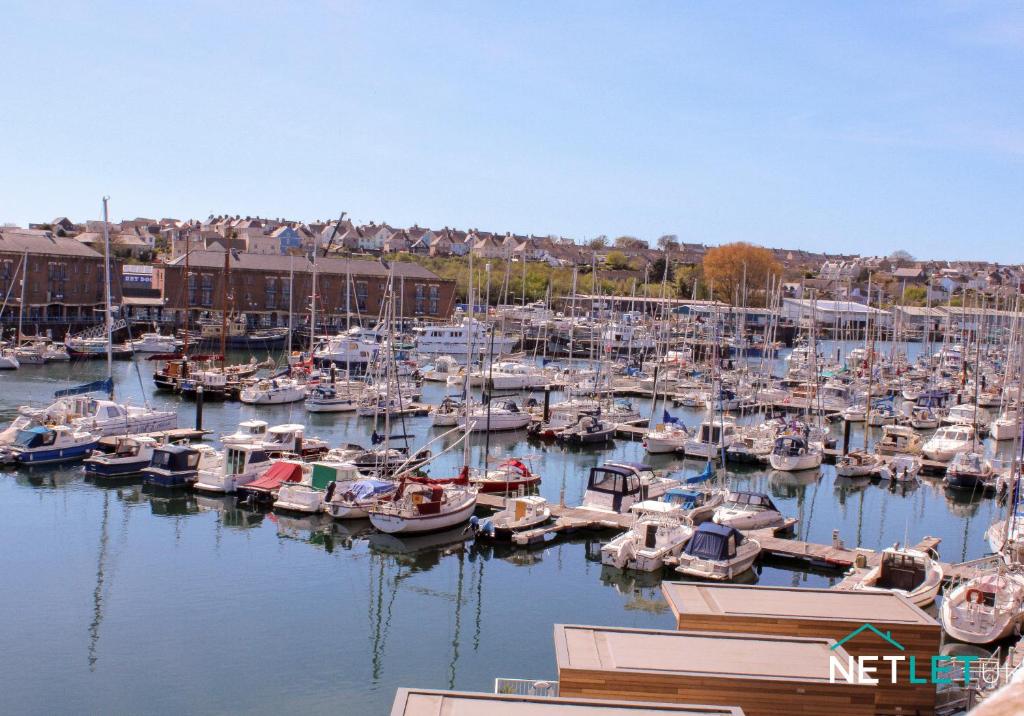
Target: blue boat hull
{"type": "Point", "coordinates": [40, 457]}
{"type": "Point", "coordinates": [163, 478]}
{"type": "Point", "coordinates": [100, 469]}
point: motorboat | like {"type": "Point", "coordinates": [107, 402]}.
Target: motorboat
{"type": "Point", "coordinates": [441, 370]}
{"type": "Point", "coordinates": [616, 487]}
{"type": "Point", "coordinates": [697, 504]}
{"type": "Point", "coordinates": [378, 405]}
{"type": "Point", "coordinates": [984, 609]}
{"type": "Point", "coordinates": [499, 415]}
{"type": "Point", "coordinates": [178, 465]}
{"type": "Point", "coordinates": [263, 491]}
{"type": "Point", "coordinates": [509, 476]}
{"type": "Point", "coordinates": [326, 398]}
{"type": "Point", "coordinates": [717, 552]}
{"type": "Point", "coordinates": [667, 437]}
{"type": "Point", "coordinates": [308, 495]}
{"type": "Point", "coordinates": [155, 343]}
{"type": "Point", "coordinates": [909, 572]}
{"type": "Point", "coordinates": [447, 413]}
{"type": "Point", "coordinates": [356, 349]}
{"type": "Point", "coordinates": [521, 513]}
{"type": "Point", "coordinates": [274, 391]}
{"type": "Point", "coordinates": [241, 464]}
{"type": "Point", "coordinates": [857, 463]}
{"type": "Point", "coordinates": [881, 415]}
{"type": "Point", "coordinates": [898, 439]}
{"type": "Point", "coordinates": [748, 511]}
{"type": "Point", "coordinates": [9, 359]}
{"type": "Point", "coordinates": [103, 417]}
{"type": "Point", "coordinates": [419, 506]}
{"type": "Point", "coordinates": [793, 453]}
{"type": "Point", "coordinates": [856, 413]}
{"type": "Point", "coordinates": [901, 468]}
{"type": "Point", "coordinates": [590, 430]}
{"type": "Point", "coordinates": [249, 431]}
{"type": "Point", "coordinates": [130, 456]}
{"type": "Point", "coordinates": [33, 353]}
{"type": "Point", "coordinates": [41, 444]}
{"type": "Point", "coordinates": [658, 531]}
{"type": "Point", "coordinates": [948, 441]}
{"type": "Point", "coordinates": [970, 470]}
{"type": "Point", "coordinates": [290, 439]}
{"type": "Point", "coordinates": [967, 414]}
{"type": "Point", "coordinates": [712, 437]}
{"type": "Point", "coordinates": [454, 340]}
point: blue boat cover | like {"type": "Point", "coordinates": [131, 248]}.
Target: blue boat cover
{"type": "Point", "coordinates": [29, 437]}
{"type": "Point", "coordinates": [106, 385]}
{"type": "Point", "coordinates": [708, 473]}
{"type": "Point", "coordinates": [711, 541]}
{"type": "Point", "coordinates": [363, 489]}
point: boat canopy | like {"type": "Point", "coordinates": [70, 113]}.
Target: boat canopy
{"type": "Point", "coordinates": [365, 489]}
{"type": "Point", "coordinates": [714, 542]}
{"type": "Point", "coordinates": [686, 499]}
{"type": "Point", "coordinates": [279, 473]}
{"type": "Point", "coordinates": [175, 457]}
{"type": "Point", "coordinates": [789, 445]}
{"type": "Point", "coordinates": [756, 500]}
{"type": "Point", "coordinates": [37, 436]}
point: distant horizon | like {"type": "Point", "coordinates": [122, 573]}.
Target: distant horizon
{"type": "Point", "coordinates": [828, 128]}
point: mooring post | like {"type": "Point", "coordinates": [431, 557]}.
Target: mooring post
{"type": "Point", "coordinates": [547, 402]}
{"type": "Point", "coordinates": [846, 436]}
{"type": "Point", "coordinates": [199, 407]}
{"type": "Point", "coordinates": [334, 373]}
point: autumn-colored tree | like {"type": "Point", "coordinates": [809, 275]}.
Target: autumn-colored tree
{"type": "Point", "coordinates": [725, 266]}
{"type": "Point", "coordinates": [617, 260]}
{"type": "Point", "coordinates": [630, 243]}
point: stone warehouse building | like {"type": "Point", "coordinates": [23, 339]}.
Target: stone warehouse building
{"type": "Point", "coordinates": [64, 286]}
{"type": "Point", "coordinates": [264, 287]}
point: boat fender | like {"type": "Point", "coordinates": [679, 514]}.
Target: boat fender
{"type": "Point", "coordinates": [975, 596]}
{"type": "Point", "coordinates": [803, 451]}
{"type": "Point", "coordinates": [330, 491]}
{"type": "Point", "coordinates": [474, 524]}
{"type": "Point", "coordinates": [487, 528]}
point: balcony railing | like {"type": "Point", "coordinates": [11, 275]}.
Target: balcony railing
{"type": "Point", "coordinates": [526, 687]}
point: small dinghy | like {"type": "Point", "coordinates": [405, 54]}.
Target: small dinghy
{"type": "Point", "coordinates": [520, 514]}
{"type": "Point", "coordinates": [717, 552]}
{"type": "Point", "coordinates": [902, 468]}
{"type": "Point", "coordinates": [857, 463]}
{"type": "Point", "coordinates": [909, 572]}
{"type": "Point", "coordinates": [660, 530]}
{"type": "Point", "coordinates": [748, 511]}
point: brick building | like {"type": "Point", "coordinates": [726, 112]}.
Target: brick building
{"type": "Point", "coordinates": [264, 287]}
{"type": "Point", "coordinates": [65, 279]}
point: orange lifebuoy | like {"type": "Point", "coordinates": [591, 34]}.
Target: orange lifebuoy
{"type": "Point", "coordinates": [975, 596]}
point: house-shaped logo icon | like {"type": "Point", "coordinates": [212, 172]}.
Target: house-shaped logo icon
{"type": "Point", "coordinates": [867, 627]}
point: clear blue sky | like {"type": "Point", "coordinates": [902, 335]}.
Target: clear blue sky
{"type": "Point", "coordinates": [838, 126]}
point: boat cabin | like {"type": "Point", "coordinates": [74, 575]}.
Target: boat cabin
{"type": "Point", "coordinates": [130, 447]}
{"type": "Point", "coordinates": [714, 542]}
{"type": "Point", "coordinates": [617, 486]}
{"type": "Point", "coordinates": [750, 502]}
{"type": "Point", "coordinates": [717, 432]}
{"type": "Point", "coordinates": [175, 458]}
{"type": "Point", "coordinates": [239, 459]}
{"type": "Point", "coordinates": [285, 438]}
{"type": "Point", "coordinates": [790, 445]}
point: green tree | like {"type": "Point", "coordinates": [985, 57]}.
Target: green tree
{"type": "Point", "coordinates": [617, 260]}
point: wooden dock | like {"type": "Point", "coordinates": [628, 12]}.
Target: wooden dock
{"type": "Point", "coordinates": [109, 443]}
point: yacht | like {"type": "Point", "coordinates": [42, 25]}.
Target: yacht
{"type": "Point", "coordinates": [748, 511]}
{"type": "Point", "coordinates": [590, 430]}
{"type": "Point", "coordinates": [326, 398]}
{"type": "Point", "coordinates": [249, 431]}
{"type": "Point", "coordinates": [290, 439]}
{"type": "Point", "coordinates": [984, 609]}
{"type": "Point", "coordinates": [241, 464]}
{"type": "Point", "coordinates": [9, 359]}
{"type": "Point", "coordinates": [948, 441]}
{"type": "Point", "coordinates": [712, 437]}
{"type": "Point", "coordinates": [500, 415]}
{"type": "Point", "coordinates": [857, 463]}
{"type": "Point", "coordinates": [43, 444]}
{"type": "Point", "coordinates": [155, 343]}
{"type": "Point", "coordinates": [898, 440]}
{"type": "Point", "coordinates": [355, 350]}
{"type": "Point", "coordinates": [717, 552]}
{"type": "Point", "coordinates": [350, 495]}
{"type": "Point", "coordinates": [420, 507]}
{"type": "Point", "coordinates": [752, 445]}
{"type": "Point", "coordinates": [442, 370]}
{"type": "Point", "coordinates": [104, 417]}
{"type": "Point", "coordinates": [178, 465]}
{"type": "Point", "coordinates": [616, 487]}
{"type": "Point", "coordinates": [793, 453]}
{"type": "Point", "coordinates": [658, 531]}
{"type": "Point", "coordinates": [130, 456]}
{"type": "Point", "coordinates": [666, 438]}
{"type": "Point", "coordinates": [909, 572]}
{"type": "Point", "coordinates": [966, 414]}
{"type": "Point", "coordinates": [454, 340]}
{"type": "Point", "coordinates": [521, 513]}
{"type": "Point", "coordinates": [274, 391]}
{"type": "Point", "coordinates": [924, 419]}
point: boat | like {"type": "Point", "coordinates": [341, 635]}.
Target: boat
{"type": "Point", "coordinates": [901, 468]}
{"type": "Point", "coordinates": [263, 491]}
{"type": "Point", "coordinates": [498, 415]}
{"type": "Point", "coordinates": [857, 463]}
{"type": "Point", "coordinates": [617, 486]}
{"type": "Point", "coordinates": [712, 437]}
{"type": "Point", "coordinates": [155, 343]}
{"type": "Point", "coordinates": [80, 348]}
{"type": "Point", "coordinates": [249, 431]}
{"type": "Point", "coordinates": [241, 464]}
{"type": "Point", "coordinates": [909, 572]}
{"type": "Point", "coordinates": [274, 391]}
{"type": "Point", "coordinates": [103, 417]}
{"type": "Point", "coordinates": [307, 496]}
{"type": "Point", "coordinates": [984, 609]}
{"type": "Point", "coordinates": [1006, 426]}
{"type": "Point", "coordinates": [923, 419]}
{"type": "Point", "coordinates": [42, 444]}
{"type": "Point", "coordinates": [590, 430]}
{"type": "Point", "coordinates": [178, 465]}
{"type": "Point", "coordinates": [130, 456]}
{"type": "Point", "coordinates": [509, 476]}
{"type": "Point", "coordinates": [356, 349]}
{"type": "Point", "coordinates": [748, 511]}
{"type": "Point", "coordinates": [969, 470]}
{"type": "Point", "coordinates": [898, 439]}
{"type": "Point", "coordinates": [350, 495]}
{"type": "Point", "coordinates": [793, 453]}
{"type": "Point", "coordinates": [447, 413]}
{"type": "Point", "coordinates": [668, 436]}
{"type": "Point", "coordinates": [697, 504]}
{"type": "Point", "coordinates": [717, 552]}
{"type": "Point", "coordinates": [9, 359]}
{"type": "Point", "coordinates": [948, 441]}
{"type": "Point", "coordinates": [1006, 537]}
{"type": "Point", "coordinates": [418, 506]}
{"type": "Point", "coordinates": [329, 399]}
{"type": "Point", "coordinates": [521, 513]}
{"type": "Point", "coordinates": [455, 340]}
{"type": "Point", "coordinates": [752, 445]}
{"type": "Point", "coordinates": [290, 439]}
{"type": "Point", "coordinates": [659, 530]}
{"type": "Point", "coordinates": [854, 413]}
{"type": "Point", "coordinates": [967, 414]}
{"type": "Point", "coordinates": [441, 370]}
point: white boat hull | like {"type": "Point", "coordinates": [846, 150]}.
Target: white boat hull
{"type": "Point", "coordinates": [397, 524]}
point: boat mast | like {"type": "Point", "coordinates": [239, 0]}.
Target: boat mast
{"type": "Point", "coordinates": [312, 310]}
{"type": "Point", "coordinates": [224, 305]}
{"type": "Point", "coordinates": [21, 305]}
{"type": "Point", "coordinates": [106, 311]}
{"type": "Point", "coordinates": [185, 290]}
{"type": "Point", "coordinates": [869, 341]}
{"type": "Point", "coordinates": [291, 286]}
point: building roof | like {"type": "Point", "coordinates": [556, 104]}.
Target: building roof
{"type": "Point", "coordinates": [43, 242]}
{"type": "Point", "coordinates": [300, 264]}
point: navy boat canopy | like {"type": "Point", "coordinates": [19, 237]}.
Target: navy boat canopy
{"type": "Point", "coordinates": [711, 541]}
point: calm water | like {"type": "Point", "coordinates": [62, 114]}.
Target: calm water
{"type": "Point", "coordinates": [116, 600]}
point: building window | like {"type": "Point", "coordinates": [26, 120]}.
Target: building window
{"type": "Point", "coordinates": [286, 296]}
{"type": "Point", "coordinates": [271, 297]}
{"type": "Point", "coordinates": [207, 295]}
{"type": "Point", "coordinates": [420, 295]}
{"type": "Point", "coordinates": [361, 294]}
{"type": "Point", "coordinates": [192, 290]}
{"type": "Point", "coordinates": [434, 300]}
